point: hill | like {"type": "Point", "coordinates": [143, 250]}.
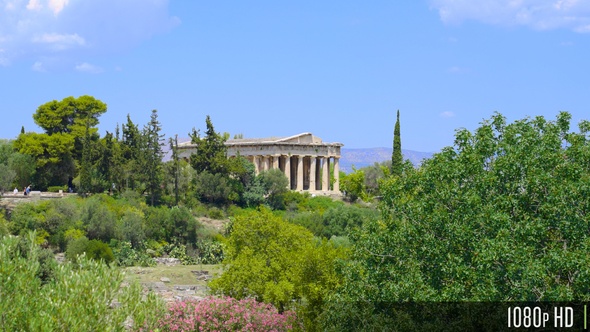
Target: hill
{"type": "Point", "coordinates": [368, 156]}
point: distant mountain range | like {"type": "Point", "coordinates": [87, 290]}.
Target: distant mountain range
{"type": "Point", "coordinates": [352, 157]}
{"type": "Point", "coordinates": [369, 156]}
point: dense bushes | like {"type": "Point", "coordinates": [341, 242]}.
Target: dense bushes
{"type": "Point", "coordinates": [37, 295]}
{"type": "Point", "coordinates": [72, 224]}
{"type": "Point", "coordinates": [94, 249]}
{"type": "Point", "coordinates": [335, 221]}
{"type": "Point", "coordinates": [279, 263]}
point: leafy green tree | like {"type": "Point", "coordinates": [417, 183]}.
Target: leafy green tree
{"type": "Point", "coordinates": [183, 224]}
{"type": "Point", "coordinates": [24, 168]}
{"type": "Point", "coordinates": [53, 155]}
{"type": "Point", "coordinates": [501, 216]}
{"type": "Point", "coordinates": [353, 185]}
{"type": "Point", "coordinates": [263, 259]}
{"type": "Point", "coordinates": [275, 184]}
{"type": "Point", "coordinates": [6, 150]}
{"type": "Point", "coordinates": [396, 157]}
{"type": "Point", "coordinates": [7, 177]}
{"type": "Point", "coordinates": [214, 188]}
{"type": "Point", "coordinates": [131, 228]}
{"type": "Point", "coordinates": [374, 174]}
{"type": "Point", "coordinates": [99, 220]}
{"type": "Point", "coordinates": [276, 262]}
{"type": "Point", "coordinates": [66, 124]}
{"type": "Point", "coordinates": [71, 116]}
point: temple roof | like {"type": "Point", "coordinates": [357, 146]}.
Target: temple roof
{"type": "Point", "coordinates": [303, 138]}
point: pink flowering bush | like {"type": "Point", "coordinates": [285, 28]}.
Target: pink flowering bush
{"type": "Point", "coordinates": [226, 314]}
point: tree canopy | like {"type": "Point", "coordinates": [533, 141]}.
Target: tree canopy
{"type": "Point", "coordinates": [501, 216]}
{"type": "Point", "coordinates": [70, 115]}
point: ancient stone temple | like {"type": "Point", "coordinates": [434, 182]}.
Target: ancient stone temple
{"type": "Point", "coordinates": [304, 159]}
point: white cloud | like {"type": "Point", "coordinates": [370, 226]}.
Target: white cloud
{"type": "Point", "coordinates": [68, 31]}
{"type": "Point", "coordinates": [34, 5]}
{"type": "Point", "coordinates": [57, 5]}
{"type": "Point", "coordinates": [88, 68]}
{"type": "Point", "coordinates": [38, 66]}
{"type": "Point", "coordinates": [537, 14]}
{"type": "Point", "coordinates": [455, 70]}
{"type": "Point", "coordinates": [60, 42]}
{"type": "Point", "coordinates": [447, 114]}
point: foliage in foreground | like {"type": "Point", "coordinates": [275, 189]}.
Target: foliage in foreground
{"type": "Point", "coordinates": [279, 263]}
{"type": "Point", "coordinates": [67, 297]}
{"type": "Point", "coordinates": [226, 314]}
{"type": "Point", "coordinates": [502, 216]}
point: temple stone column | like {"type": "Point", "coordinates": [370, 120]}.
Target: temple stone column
{"type": "Point", "coordinates": [312, 169]}
{"type": "Point", "coordinates": [275, 161]}
{"type": "Point", "coordinates": [255, 161]}
{"type": "Point", "coordinates": [336, 174]}
{"type": "Point", "coordinates": [299, 184]}
{"type": "Point", "coordinates": [265, 163]}
{"type": "Point", "coordinates": [325, 174]}
{"type": "Point", "coordinates": [318, 172]}
{"type": "Point", "coordinates": [288, 170]}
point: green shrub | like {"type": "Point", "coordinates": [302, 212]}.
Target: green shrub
{"type": "Point", "coordinates": [209, 251]}
{"type": "Point", "coordinates": [79, 297]}
{"type": "Point", "coordinates": [157, 223]}
{"type": "Point", "coordinates": [100, 222]}
{"type": "Point", "coordinates": [94, 249]}
{"type": "Point", "coordinates": [183, 226]}
{"type": "Point", "coordinates": [76, 248]}
{"type": "Point", "coordinates": [131, 228]}
{"type": "Point", "coordinates": [4, 226]}
{"type": "Point", "coordinates": [56, 189]}
{"type": "Point", "coordinates": [126, 255]}
{"type": "Point", "coordinates": [214, 188]}
{"type": "Point", "coordinates": [73, 234]}
{"type": "Point", "coordinates": [215, 213]}
{"type": "Point", "coordinates": [28, 217]}
{"type": "Point", "coordinates": [99, 251]}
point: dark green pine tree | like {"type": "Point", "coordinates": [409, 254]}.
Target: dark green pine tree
{"type": "Point", "coordinates": [86, 163]}
{"type": "Point", "coordinates": [396, 157]}
{"type": "Point", "coordinates": [211, 155]}
{"type": "Point", "coordinates": [131, 142]}
{"type": "Point", "coordinates": [152, 159]}
{"type": "Point", "coordinates": [22, 129]}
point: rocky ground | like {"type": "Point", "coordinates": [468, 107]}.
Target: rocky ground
{"type": "Point", "coordinates": [173, 281]}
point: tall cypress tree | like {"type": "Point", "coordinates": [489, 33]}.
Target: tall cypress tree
{"type": "Point", "coordinates": [396, 157]}
{"type": "Point", "coordinates": [152, 156]}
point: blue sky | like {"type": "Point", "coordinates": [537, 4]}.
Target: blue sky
{"type": "Point", "coordinates": [338, 69]}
